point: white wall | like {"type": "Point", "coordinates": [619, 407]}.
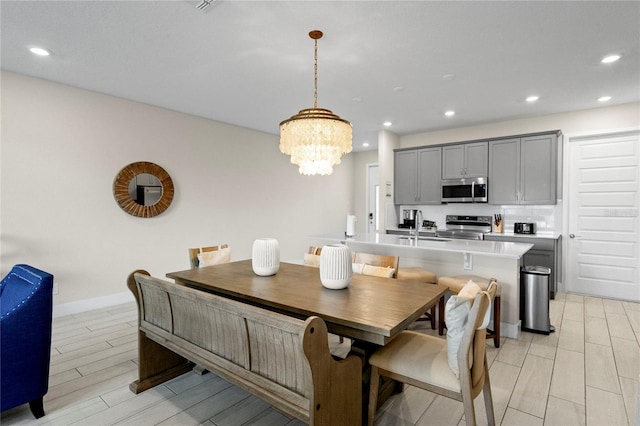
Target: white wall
{"type": "Point", "coordinates": [62, 148]}
{"type": "Point", "coordinates": [588, 121]}
{"type": "Point", "coordinates": [387, 142]}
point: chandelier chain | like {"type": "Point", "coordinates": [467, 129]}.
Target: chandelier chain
{"type": "Point", "coordinates": [315, 74]}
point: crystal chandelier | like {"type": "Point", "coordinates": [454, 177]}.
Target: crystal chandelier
{"type": "Point", "coordinates": [315, 137]}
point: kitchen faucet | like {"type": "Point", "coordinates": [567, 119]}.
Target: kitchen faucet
{"type": "Point", "coordinates": [418, 223]}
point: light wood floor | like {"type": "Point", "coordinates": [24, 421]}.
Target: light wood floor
{"type": "Point", "coordinates": [585, 373]}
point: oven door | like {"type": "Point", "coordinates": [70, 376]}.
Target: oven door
{"type": "Point", "coordinates": [456, 234]}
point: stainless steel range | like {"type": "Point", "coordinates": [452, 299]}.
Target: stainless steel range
{"type": "Point", "coordinates": [466, 227]}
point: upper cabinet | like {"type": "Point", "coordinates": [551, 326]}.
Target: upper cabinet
{"type": "Point", "coordinates": [417, 176]}
{"type": "Point", "coordinates": [523, 170]}
{"type": "Point", "coordinates": [465, 160]}
{"type": "Point", "coordinates": [405, 179]}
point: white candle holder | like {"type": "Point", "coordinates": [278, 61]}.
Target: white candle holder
{"type": "Point", "coordinates": [265, 257]}
{"type": "Point", "coordinates": [336, 267]}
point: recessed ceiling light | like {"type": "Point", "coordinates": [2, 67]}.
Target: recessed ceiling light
{"type": "Point", "coordinates": [387, 123]}
{"type": "Point", "coordinates": [450, 113]}
{"type": "Point", "coordinates": [39, 51]}
{"type": "Point", "coordinates": [532, 98]}
{"type": "Point", "coordinates": [604, 98]}
{"type": "Point", "coordinates": [365, 144]}
{"type": "Point", "coordinates": [610, 58]}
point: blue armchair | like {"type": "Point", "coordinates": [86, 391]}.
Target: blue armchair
{"type": "Point", "coordinates": [26, 304]}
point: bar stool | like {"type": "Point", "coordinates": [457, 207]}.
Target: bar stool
{"type": "Point", "coordinates": [421, 274]}
{"type": "Point", "coordinates": [455, 284]}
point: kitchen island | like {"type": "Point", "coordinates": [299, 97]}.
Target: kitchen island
{"type": "Point", "coordinates": [490, 259]}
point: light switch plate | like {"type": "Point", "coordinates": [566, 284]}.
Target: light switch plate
{"type": "Point", "coordinates": [467, 260]}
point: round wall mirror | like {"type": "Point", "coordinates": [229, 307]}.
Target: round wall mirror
{"type": "Point", "coordinates": [143, 189]}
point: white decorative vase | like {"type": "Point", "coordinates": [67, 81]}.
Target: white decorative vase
{"type": "Point", "coordinates": [335, 266]}
{"type": "Point", "coordinates": [265, 256]}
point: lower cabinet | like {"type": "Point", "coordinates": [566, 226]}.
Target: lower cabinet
{"type": "Point", "coordinates": [545, 252]}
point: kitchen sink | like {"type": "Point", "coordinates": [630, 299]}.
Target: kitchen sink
{"type": "Point", "coordinates": [425, 238]}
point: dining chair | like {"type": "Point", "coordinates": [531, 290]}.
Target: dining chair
{"type": "Point", "coordinates": [405, 273]}
{"type": "Point", "coordinates": [312, 256]}
{"type": "Point", "coordinates": [421, 274]}
{"type": "Point", "coordinates": [456, 283]}
{"type": "Point", "coordinates": [423, 361]}
{"type": "Point", "coordinates": [375, 264]}
{"type": "Point", "coordinates": [207, 256]}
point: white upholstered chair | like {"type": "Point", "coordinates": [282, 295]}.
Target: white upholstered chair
{"type": "Point", "coordinates": [422, 360]}
{"type": "Point", "coordinates": [456, 283]}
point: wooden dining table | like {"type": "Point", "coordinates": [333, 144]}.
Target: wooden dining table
{"type": "Point", "coordinates": [371, 309]}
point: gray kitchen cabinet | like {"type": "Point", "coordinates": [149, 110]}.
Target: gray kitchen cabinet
{"type": "Point", "coordinates": [417, 176]}
{"type": "Point", "coordinates": [545, 252]}
{"type": "Point", "coordinates": [504, 171]}
{"type": "Point", "coordinates": [405, 176]}
{"type": "Point", "coordinates": [523, 170]}
{"type": "Point", "coordinates": [464, 160]}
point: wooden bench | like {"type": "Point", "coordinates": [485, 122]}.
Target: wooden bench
{"type": "Point", "coordinates": [282, 360]}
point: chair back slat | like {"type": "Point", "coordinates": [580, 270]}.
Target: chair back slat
{"type": "Point", "coordinates": [378, 260]}
{"type": "Point", "coordinates": [480, 338]}
{"type": "Point", "coordinates": [193, 253]}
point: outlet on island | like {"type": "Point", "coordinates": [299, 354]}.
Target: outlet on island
{"type": "Point", "coordinates": [467, 260]}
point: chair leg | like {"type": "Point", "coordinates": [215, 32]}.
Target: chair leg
{"type": "Point", "coordinates": [496, 320]}
{"type": "Point", "coordinates": [37, 407]}
{"type": "Point", "coordinates": [373, 395]}
{"type": "Point", "coordinates": [495, 332]}
{"type": "Point", "coordinates": [469, 410]}
{"type": "Point", "coordinates": [488, 399]}
{"type": "Point", "coordinates": [433, 317]}
{"type": "Point", "coordinates": [441, 316]}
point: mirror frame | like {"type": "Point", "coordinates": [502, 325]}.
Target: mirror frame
{"type": "Point", "coordinates": [121, 189]}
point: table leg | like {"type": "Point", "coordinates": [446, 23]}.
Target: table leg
{"type": "Point", "coordinates": [388, 387]}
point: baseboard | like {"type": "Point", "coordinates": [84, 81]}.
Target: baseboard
{"type": "Point", "coordinates": [91, 304]}
{"type": "Point", "coordinates": [508, 330]}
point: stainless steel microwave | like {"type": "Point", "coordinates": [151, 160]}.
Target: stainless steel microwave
{"type": "Point", "coordinates": [466, 190]}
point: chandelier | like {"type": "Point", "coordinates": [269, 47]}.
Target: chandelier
{"type": "Point", "coordinates": [315, 137]}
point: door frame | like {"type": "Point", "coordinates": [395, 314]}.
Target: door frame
{"type": "Point", "coordinates": [368, 200]}
{"type": "Point", "coordinates": [566, 164]}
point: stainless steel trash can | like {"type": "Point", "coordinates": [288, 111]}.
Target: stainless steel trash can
{"type": "Point", "coordinates": [534, 299]}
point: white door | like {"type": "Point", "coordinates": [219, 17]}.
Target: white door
{"type": "Point", "coordinates": [603, 216]}
{"type": "Point", "coordinates": [373, 197]}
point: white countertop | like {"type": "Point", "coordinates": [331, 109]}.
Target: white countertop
{"type": "Point", "coordinates": [510, 235]}
{"type": "Point", "coordinates": [478, 247]}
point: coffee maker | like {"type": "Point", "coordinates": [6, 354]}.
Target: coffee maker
{"type": "Point", "coordinates": [408, 218]}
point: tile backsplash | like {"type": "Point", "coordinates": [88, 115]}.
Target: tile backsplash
{"type": "Point", "coordinates": [547, 218]}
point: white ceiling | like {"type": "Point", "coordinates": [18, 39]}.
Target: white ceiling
{"type": "Point", "coordinates": [250, 63]}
